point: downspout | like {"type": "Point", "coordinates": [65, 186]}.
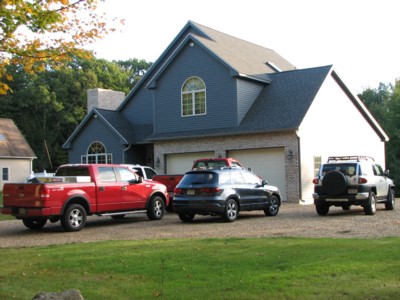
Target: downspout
{"type": "Point", "coordinates": [299, 163]}
{"type": "Point", "coordinates": [124, 152]}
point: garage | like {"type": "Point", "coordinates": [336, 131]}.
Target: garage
{"type": "Point", "coordinates": [269, 164]}
{"type": "Point", "coordinates": [182, 162]}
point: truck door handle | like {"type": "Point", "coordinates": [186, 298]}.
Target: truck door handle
{"type": "Point", "coordinates": [124, 188]}
{"type": "Point", "coordinates": [102, 188]}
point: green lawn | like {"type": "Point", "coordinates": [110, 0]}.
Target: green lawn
{"type": "Point", "coordinates": [4, 217]}
{"type": "Point", "coordinates": [265, 268]}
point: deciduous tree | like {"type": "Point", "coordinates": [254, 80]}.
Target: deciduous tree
{"type": "Point", "coordinates": [40, 34]}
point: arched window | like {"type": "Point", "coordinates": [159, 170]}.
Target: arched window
{"type": "Point", "coordinates": [193, 97]}
{"type": "Point", "coordinates": [97, 154]}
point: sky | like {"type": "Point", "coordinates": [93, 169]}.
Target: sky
{"type": "Point", "coordinates": [360, 38]}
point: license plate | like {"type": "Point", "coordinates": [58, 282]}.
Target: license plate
{"type": "Point", "coordinates": [22, 211]}
{"type": "Point", "coordinates": [190, 192]}
{"type": "Point", "coordinates": [352, 191]}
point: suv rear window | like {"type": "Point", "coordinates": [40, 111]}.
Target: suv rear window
{"type": "Point", "coordinates": [347, 169]}
{"type": "Point", "coordinates": [200, 178]}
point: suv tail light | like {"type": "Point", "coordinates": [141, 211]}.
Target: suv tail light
{"type": "Point", "coordinates": [315, 180]}
{"type": "Point", "coordinates": [209, 191]}
{"type": "Point", "coordinates": [362, 180]}
{"type": "Point", "coordinates": [178, 191]}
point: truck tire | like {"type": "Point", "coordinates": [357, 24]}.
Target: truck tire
{"type": "Point", "coordinates": [390, 202]}
{"type": "Point", "coordinates": [334, 183]}
{"type": "Point", "coordinates": [74, 218]}
{"type": "Point", "coordinates": [370, 208]}
{"type": "Point", "coordinates": [156, 208]}
{"type": "Point", "coordinates": [34, 223]}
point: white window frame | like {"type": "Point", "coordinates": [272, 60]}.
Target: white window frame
{"type": "Point", "coordinates": [192, 94]}
{"type": "Point", "coordinates": [97, 157]}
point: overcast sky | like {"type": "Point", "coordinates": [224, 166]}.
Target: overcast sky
{"type": "Point", "coordinates": [360, 38]}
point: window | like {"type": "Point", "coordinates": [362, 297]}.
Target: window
{"type": "Point", "coordinates": [193, 97]}
{"type": "Point", "coordinates": [317, 164]}
{"type": "Point", "coordinates": [107, 174]}
{"type": "Point", "coordinates": [251, 179]}
{"type": "Point", "coordinates": [126, 175]}
{"type": "Point", "coordinates": [5, 174]}
{"type": "Point", "coordinates": [97, 154]}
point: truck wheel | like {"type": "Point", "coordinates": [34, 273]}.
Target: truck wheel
{"type": "Point", "coordinates": [74, 218]}
{"type": "Point", "coordinates": [156, 208]}
{"type": "Point", "coordinates": [231, 211]}
{"type": "Point", "coordinates": [273, 207]}
{"type": "Point", "coordinates": [370, 208]}
{"type": "Point", "coordinates": [186, 217]}
{"type": "Point", "coordinates": [322, 209]}
{"type": "Point", "coordinates": [390, 203]}
{"type": "Point", "coordinates": [34, 223]}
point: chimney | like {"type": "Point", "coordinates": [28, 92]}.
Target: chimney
{"type": "Point", "coordinates": [105, 99]}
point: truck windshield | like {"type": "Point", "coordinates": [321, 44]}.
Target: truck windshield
{"type": "Point", "coordinates": [73, 171]}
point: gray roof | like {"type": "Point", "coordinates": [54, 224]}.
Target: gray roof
{"type": "Point", "coordinates": [281, 105]}
{"type": "Point", "coordinates": [235, 52]}
{"type": "Point", "coordinates": [12, 142]}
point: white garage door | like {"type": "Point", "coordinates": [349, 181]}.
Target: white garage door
{"type": "Point", "coordinates": [181, 163]}
{"type": "Point", "coordinates": [269, 164]}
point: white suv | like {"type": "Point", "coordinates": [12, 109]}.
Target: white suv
{"type": "Point", "coordinates": [143, 171]}
{"type": "Point", "coordinates": [352, 180]}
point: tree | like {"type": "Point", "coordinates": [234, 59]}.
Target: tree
{"type": "Point", "coordinates": [48, 106]}
{"type": "Point", "coordinates": [384, 104]}
{"type": "Point", "coordinates": [40, 34]}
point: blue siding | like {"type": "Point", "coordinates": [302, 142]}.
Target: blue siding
{"type": "Point", "coordinates": [220, 93]}
{"type": "Point", "coordinates": [139, 109]}
{"type": "Point", "coordinates": [96, 130]}
{"type": "Point", "coordinates": [247, 94]}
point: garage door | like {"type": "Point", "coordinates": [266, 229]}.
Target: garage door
{"type": "Point", "coordinates": [181, 163]}
{"type": "Point", "coordinates": [269, 164]}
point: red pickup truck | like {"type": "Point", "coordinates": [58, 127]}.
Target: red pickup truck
{"type": "Point", "coordinates": [171, 181]}
{"type": "Point", "coordinates": [77, 191]}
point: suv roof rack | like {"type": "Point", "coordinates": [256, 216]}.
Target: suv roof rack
{"type": "Point", "coordinates": [351, 157]}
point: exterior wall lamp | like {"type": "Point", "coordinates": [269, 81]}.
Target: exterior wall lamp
{"type": "Point", "coordinates": [289, 154]}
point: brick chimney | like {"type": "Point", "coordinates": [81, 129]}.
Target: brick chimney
{"type": "Point", "coordinates": [105, 99]}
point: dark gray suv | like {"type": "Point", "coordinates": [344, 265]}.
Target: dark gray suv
{"type": "Point", "coordinates": [352, 180]}
{"type": "Point", "coordinates": [224, 192]}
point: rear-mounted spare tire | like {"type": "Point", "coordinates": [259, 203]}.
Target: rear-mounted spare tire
{"type": "Point", "coordinates": [334, 183]}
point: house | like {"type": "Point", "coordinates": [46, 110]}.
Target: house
{"type": "Point", "coordinates": [214, 95]}
{"type": "Point", "coordinates": [16, 155]}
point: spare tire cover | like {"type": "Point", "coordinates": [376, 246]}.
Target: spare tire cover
{"type": "Point", "coordinates": [334, 183]}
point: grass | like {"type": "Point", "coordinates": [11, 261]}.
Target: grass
{"type": "Point", "coordinates": [4, 217]}
{"type": "Point", "coordinates": [273, 268]}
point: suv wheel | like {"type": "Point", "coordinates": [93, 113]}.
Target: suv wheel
{"type": "Point", "coordinates": [186, 217]}
{"type": "Point", "coordinates": [390, 203]}
{"type": "Point", "coordinates": [273, 207]}
{"type": "Point", "coordinates": [322, 209]}
{"type": "Point", "coordinates": [231, 211]}
{"type": "Point", "coordinates": [370, 208]}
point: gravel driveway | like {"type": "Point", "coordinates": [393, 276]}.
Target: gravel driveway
{"type": "Point", "coordinates": [293, 220]}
